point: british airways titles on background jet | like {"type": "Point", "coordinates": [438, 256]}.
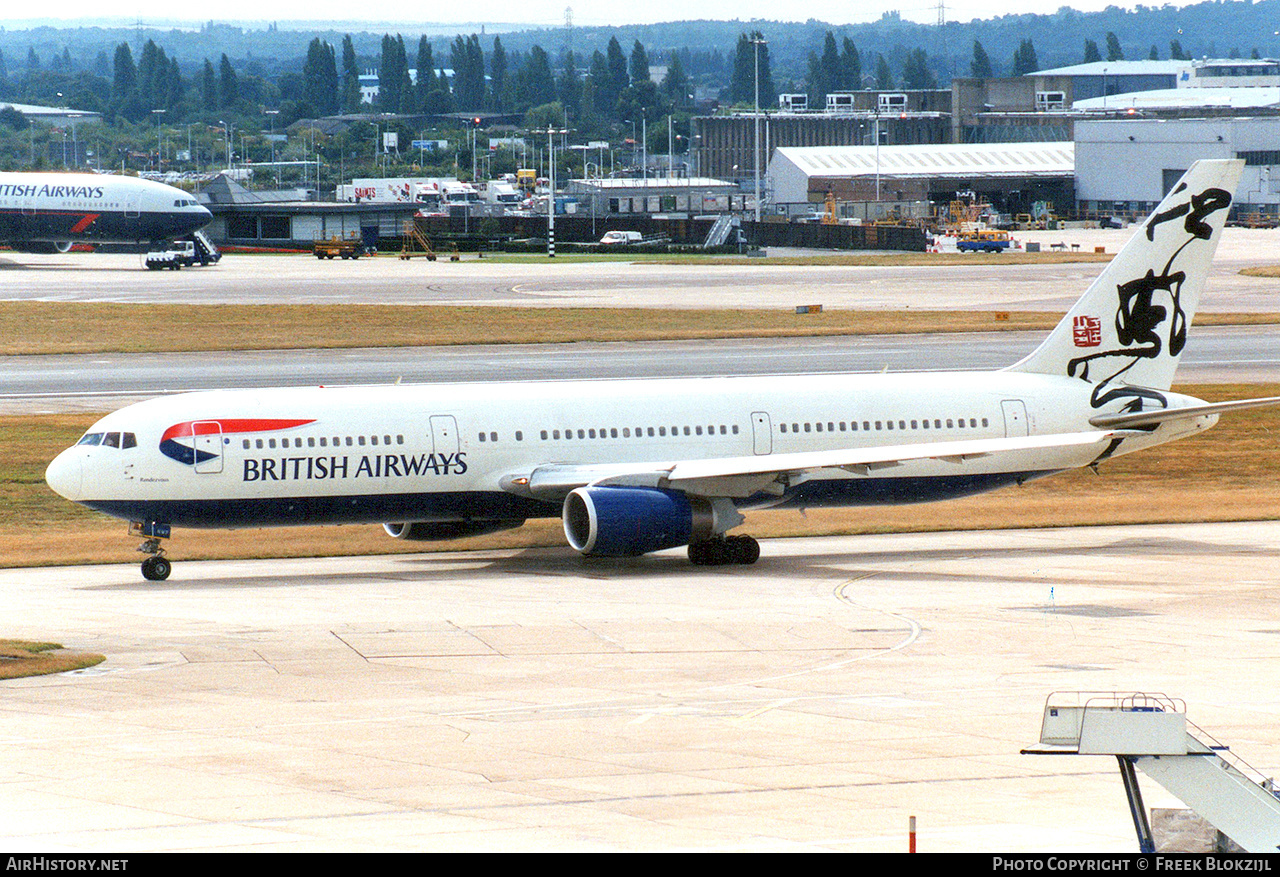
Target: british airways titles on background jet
{"type": "Point", "coordinates": [633, 466]}
{"type": "Point", "coordinates": [48, 212]}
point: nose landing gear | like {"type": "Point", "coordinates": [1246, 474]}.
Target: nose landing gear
{"type": "Point", "coordinates": [156, 567]}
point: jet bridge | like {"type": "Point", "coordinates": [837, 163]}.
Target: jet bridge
{"type": "Point", "coordinates": [1150, 733]}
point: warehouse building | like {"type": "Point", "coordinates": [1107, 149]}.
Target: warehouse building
{"type": "Point", "coordinates": [1154, 153]}
{"type": "Point", "coordinates": [1011, 176]}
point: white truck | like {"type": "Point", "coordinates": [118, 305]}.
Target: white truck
{"type": "Point", "coordinates": [178, 255]}
{"type": "Point", "coordinates": [503, 193]}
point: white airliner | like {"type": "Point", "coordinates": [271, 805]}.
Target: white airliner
{"type": "Point", "coordinates": [633, 466]}
{"type": "Point", "coordinates": [48, 212]}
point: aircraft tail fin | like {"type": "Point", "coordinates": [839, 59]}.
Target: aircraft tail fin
{"type": "Point", "coordinates": [1130, 326]}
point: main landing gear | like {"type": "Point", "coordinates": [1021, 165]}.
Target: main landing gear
{"type": "Point", "coordinates": [156, 567]}
{"type": "Point", "coordinates": [724, 550]}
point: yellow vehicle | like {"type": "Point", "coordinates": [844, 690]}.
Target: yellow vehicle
{"type": "Point", "coordinates": [344, 248]}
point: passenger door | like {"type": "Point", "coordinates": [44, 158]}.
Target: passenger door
{"type": "Point", "coordinates": [762, 432]}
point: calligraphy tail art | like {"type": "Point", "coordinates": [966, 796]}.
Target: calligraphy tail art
{"type": "Point", "coordinates": [1126, 333]}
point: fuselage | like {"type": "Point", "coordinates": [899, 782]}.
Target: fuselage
{"type": "Point", "coordinates": [57, 208]}
{"type": "Point", "coordinates": [442, 452]}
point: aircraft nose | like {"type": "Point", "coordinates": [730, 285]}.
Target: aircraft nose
{"type": "Point", "coordinates": [65, 472]}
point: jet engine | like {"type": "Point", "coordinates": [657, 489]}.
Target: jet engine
{"type": "Point", "coordinates": [435, 531]}
{"type": "Point", "coordinates": [629, 521]}
{"type": "Point", "coordinates": [45, 247]}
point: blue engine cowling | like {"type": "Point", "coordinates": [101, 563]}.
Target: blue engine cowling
{"type": "Point", "coordinates": [629, 521]}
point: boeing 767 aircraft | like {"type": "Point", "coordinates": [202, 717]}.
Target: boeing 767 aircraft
{"type": "Point", "coordinates": [48, 212]}
{"type": "Point", "coordinates": [634, 466]}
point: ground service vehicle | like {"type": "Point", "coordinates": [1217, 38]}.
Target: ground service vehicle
{"type": "Point", "coordinates": [344, 248]}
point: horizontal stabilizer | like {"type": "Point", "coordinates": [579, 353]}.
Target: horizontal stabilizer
{"type": "Point", "coordinates": [1153, 418]}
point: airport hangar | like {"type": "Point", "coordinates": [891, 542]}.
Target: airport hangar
{"type": "Point", "coordinates": [1011, 176]}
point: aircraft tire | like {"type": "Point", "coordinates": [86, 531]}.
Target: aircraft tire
{"type": "Point", "coordinates": [156, 568]}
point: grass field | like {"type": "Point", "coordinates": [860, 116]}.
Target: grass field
{"type": "Point", "coordinates": [1229, 473]}
{"type": "Point", "coordinates": [78, 327]}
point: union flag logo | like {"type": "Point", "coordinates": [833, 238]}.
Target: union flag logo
{"type": "Point", "coordinates": [1087, 331]}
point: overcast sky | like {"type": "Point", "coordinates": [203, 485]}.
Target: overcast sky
{"type": "Point", "coordinates": [544, 13]}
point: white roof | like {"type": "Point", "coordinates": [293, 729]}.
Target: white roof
{"type": "Point", "coordinates": [934, 160]}
{"type": "Point", "coordinates": [1118, 68]}
{"type": "Point", "coordinates": [1239, 97]}
{"type": "Point", "coordinates": [651, 182]}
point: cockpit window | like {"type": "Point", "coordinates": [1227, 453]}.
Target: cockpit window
{"type": "Point", "coordinates": [90, 438]}
{"type": "Point", "coordinates": [111, 440]}
{"type": "Point", "coordinates": [128, 440]}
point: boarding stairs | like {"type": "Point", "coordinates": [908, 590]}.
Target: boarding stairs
{"type": "Point", "coordinates": [1151, 733]}
{"type": "Point", "coordinates": [415, 243]}
{"type": "Point", "coordinates": [206, 252]}
{"type": "Point", "coordinates": [719, 232]}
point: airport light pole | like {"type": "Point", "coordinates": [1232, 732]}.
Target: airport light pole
{"type": "Point", "coordinates": [757, 41]}
{"type": "Point", "coordinates": [551, 189]}
{"type": "Point", "coordinates": [159, 149]}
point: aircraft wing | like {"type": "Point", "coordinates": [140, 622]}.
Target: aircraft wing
{"type": "Point", "coordinates": [742, 476]}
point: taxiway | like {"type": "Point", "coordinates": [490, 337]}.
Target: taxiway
{"type": "Point", "coordinates": [531, 700]}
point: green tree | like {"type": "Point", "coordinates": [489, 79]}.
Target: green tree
{"type": "Point", "coordinates": [639, 68]}
{"type": "Point", "coordinates": [743, 84]}
{"type": "Point", "coordinates": [320, 78]}
{"type": "Point", "coordinates": [675, 85]}
{"type": "Point", "coordinates": [1091, 52]}
{"type": "Point", "coordinates": [884, 76]}
{"type": "Point", "coordinates": [1114, 52]}
{"type": "Point", "coordinates": [228, 84]}
{"type": "Point", "coordinates": [350, 101]}
{"type": "Point", "coordinates": [916, 74]}
{"type": "Point", "coordinates": [617, 77]}
{"type": "Point", "coordinates": [850, 66]}
{"type": "Point", "coordinates": [980, 66]}
{"type": "Point", "coordinates": [1024, 59]}
{"type": "Point", "coordinates": [498, 76]}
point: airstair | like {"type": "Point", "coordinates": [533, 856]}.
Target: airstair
{"type": "Point", "coordinates": [719, 232]}
{"type": "Point", "coordinates": [206, 252]}
{"type": "Point", "coordinates": [1150, 733]}
{"type": "Point", "coordinates": [415, 243]}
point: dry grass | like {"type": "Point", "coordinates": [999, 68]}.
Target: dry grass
{"type": "Point", "coordinates": [1230, 473]}
{"type": "Point", "coordinates": [77, 327]}
{"type": "Point", "coordinates": [19, 658]}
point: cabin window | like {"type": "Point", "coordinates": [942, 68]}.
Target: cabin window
{"type": "Point", "coordinates": [783, 427]}
{"type": "Point", "coordinates": [519, 435]}
{"type": "Point", "coordinates": [481, 436]}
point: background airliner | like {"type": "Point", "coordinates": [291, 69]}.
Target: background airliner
{"type": "Point", "coordinates": [48, 212]}
{"type": "Point", "coordinates": [633, 466]}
